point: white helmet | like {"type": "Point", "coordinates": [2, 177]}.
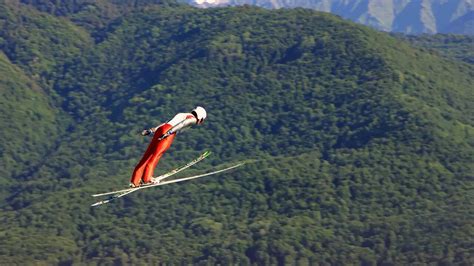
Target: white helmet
{"type": "Point", "coordinates": [199, 113]}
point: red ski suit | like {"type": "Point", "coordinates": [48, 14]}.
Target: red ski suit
{"type": "Point", "coordinates": [145, 168]}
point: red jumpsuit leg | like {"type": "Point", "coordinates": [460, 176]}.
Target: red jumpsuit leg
{"type": "Point", "coordinates": [140, 168]}
{"type": "Point", "coordinates": [145, 168]}
{"type": "Point", "coordinates": [163, 146]}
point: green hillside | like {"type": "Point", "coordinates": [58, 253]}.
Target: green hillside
{"type": "Point", "coordinates": [361, 146]}
{"type": "Point", "coordinates": [459, 47]}
{"type": "Point", "coordinates": [26, 131]}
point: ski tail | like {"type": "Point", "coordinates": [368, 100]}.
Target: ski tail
{"type": "Point", "coordinates": [115, 196]}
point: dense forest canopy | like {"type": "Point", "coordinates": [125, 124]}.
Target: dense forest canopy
{"type": "Point", "coordinates": [360, 146]}
{"type": "Point", "coordinates": [460, 47]}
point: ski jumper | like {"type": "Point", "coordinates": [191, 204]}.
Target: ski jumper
{"type": "Point", "coordinates": [163, 137]}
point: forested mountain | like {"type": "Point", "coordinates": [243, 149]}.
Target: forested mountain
{"type": "Point", "coordinates": [359, 146]}
{"type": "Point", "coordinates": [407, 16]}
{"type": "Point", "coordinates": [459, 47]}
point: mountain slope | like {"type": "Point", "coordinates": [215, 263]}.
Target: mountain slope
{"type": "Point", "coordinates": [25, 128]}
{"type": "Point", "coordinates": [362, 146]}
{"type": "Point", "coordinates": [37, 42]}
{"type": "Point", "coordinates": [458, 47]}
{"type": "Point", "coordinates": [413, 17]}
{"type": "Point", "coordinates": [34, 49]}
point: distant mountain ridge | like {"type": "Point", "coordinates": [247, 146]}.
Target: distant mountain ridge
{"type": "Point", "coordinates": [407, 16]}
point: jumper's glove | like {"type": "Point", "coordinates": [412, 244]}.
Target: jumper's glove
{"type": "Point", "coordinates": [146, 132]}
{"type": "Point", "coordinates": [165, 135]}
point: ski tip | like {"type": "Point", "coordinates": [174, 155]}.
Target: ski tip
{"type": "Point", "coordinates": [206, 153]}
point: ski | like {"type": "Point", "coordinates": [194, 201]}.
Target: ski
{"type": "Point", "coordinates": [161, 177]}
{"type": "Point", "coordinates": [116, 196]}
